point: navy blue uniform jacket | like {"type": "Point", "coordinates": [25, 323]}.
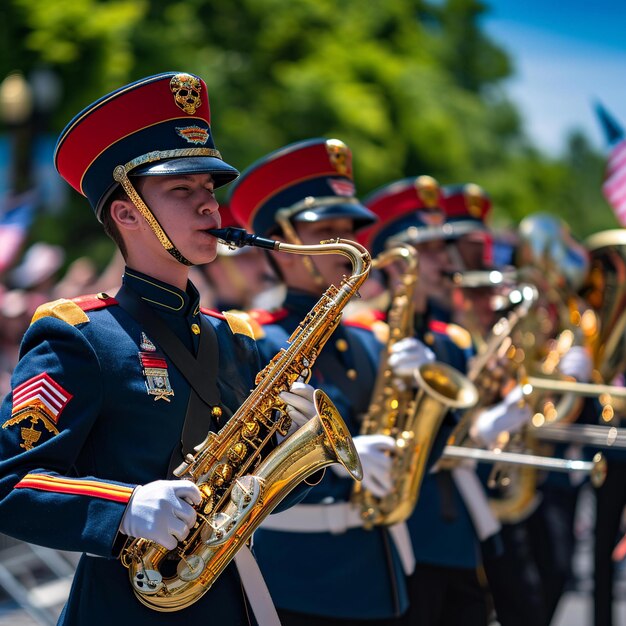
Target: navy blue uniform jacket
{"type": "Point", "coordinates": [96, 409]}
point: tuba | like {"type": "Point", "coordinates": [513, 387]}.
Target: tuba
{"type": "Point", "coordinates": [395, 410]}
{"type": "Point", "coordinates": [240, 482]}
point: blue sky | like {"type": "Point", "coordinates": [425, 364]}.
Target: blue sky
{"type": "Point", "coordinates": [566, 55]}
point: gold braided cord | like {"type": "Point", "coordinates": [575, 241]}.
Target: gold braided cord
{"type": "Point", "coordinates": [311, 202]}
{"type": "Point", "coordinates": [119, 174]}
{"type": "Point", "coordinates": [160, 155]}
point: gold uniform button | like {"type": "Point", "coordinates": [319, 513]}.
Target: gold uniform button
{"type": "Point", "coordinates": [195, 329]}
{"type": "Point", "coordinates": [429, 339]}
{"type": "Point", "coordinates": [351, 374]}
{"type": "Point", "coordinates": [216, 411]}
{"type": "Point", "coordinates": [342, 345]}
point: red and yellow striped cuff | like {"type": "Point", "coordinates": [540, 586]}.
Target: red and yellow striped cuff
{"type": "Point", "coordinates": [76, 486]}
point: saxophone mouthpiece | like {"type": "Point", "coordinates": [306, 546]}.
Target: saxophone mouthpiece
{"type": "Point", "coordinates": [239, 237]}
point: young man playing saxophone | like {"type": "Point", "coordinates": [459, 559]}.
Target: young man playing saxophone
{"type": "Point", "coordinates": [103, 407]}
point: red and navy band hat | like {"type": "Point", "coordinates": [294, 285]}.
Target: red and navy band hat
{"type": "Point", "coordinates": [409, 211]}
{"type": "Point", "coordinates": [467, 207]}
{"type": "Point", "coordinates": [156, 126]}
{"type": "Point", "coordinates": [306, 181]}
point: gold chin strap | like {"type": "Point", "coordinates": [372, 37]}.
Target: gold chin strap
{"type": "Point", "coordinates": [120, 175]}
{"type": "Point", "coordinates": [282, 217]}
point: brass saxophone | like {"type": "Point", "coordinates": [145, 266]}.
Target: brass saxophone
{"type": "Point", "coordinates": [240, 488]}
{"type": "Point", "coordinates": [413, 420]}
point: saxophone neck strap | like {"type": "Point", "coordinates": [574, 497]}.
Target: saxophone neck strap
{"type": "Point", "coordinates": [199, 371]}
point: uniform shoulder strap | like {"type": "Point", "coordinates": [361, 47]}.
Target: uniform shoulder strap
{"type": "Point", "coordinates": [73, 311]}
{"type": "Point", "coordinates": [240, 322]}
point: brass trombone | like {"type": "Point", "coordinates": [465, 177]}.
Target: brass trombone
{"type": "Point", "coordinates": [596, 469]}
{"type": "Point", "coordinates": [592, 435]}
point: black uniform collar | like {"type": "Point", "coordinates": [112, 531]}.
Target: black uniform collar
{"type": "Point", "coordinates": [434, 312]}
{"type": "Point", "coordinates": [163, 296]}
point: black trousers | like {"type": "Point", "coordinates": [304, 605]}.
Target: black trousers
{"type": "Point", "coordinates": [610, 502]}
{"type": "Point", "coordinates": [514, 580]}
{"type": "Point", "coordinates": [552, 540]}
{"type": "Point", "coordinates": [445, 596]}
{"type": "Point", "coordinates": [289, 618]}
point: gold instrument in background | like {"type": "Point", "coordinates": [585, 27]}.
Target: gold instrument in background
{"type": "Point", "coordinates": [605, 291]}
{"type": "Point", "coordinates": [413, 420]}
{"type": "Point", "coordinates": [548, 319]}
{"type": "Point", "coordinates": [240, 482]}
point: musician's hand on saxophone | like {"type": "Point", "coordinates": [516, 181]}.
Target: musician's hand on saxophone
{"type": "Point", "coordinates": [407, 355]}
{"type": "Point", "coordinates": [162, 511]}
{"type": "Point", "coordinates": [300, 405]}
{"type": "Point", "coordinates": [375, 452]}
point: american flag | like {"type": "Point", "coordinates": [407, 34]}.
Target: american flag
{"type": "Point", "coordinates": [16, 216]}
{"type": "Point", "coordinates": [614, 186]}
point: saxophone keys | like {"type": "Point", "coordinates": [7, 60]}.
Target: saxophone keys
{"type": "Point", "coordinates": [237, 452]}
{"type": "Point", "coordinates": [148, 582]}
{"type": "Point", "coordinates": [250, 429]}
{"type": "Point", "coordinates": [190, 567]}
{"type": "Point", "coordinates": [222, 475]}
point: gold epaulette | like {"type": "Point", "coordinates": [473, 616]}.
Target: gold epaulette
{"type": "Point", "coordinates": [240, 322]}
{"type": "Point", "coordinates": [61, 309]}
{"type": "Point", "coordinates": [459, 336]}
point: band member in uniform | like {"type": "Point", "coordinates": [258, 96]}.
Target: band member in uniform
{"type": "Point", "coordinates": [445, 587]}
{"type": "Point", "coordinates": [512, 574]}
{"type": "Point", "coordinates": [528, 578]}
{"type": "Point", "coordinates": [93, 425]}
{"type": "Point", "coordinates": [304, 193]}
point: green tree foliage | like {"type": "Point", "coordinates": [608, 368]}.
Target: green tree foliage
{"type": "Point", "coordinates": [413, 87]}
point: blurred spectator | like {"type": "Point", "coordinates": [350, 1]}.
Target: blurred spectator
{"type": "Point", "coordinates": [37, 274]}
{"type": "Point", "coordinates": [15, 317]}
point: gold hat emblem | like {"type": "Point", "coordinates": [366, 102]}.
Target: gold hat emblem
{"type": "Point", "coordinates": [340, 156]}
{"type": "Point", "coordinates": [474, 199]}
{"type": "Point", "coordinates": [427, 191]}
{"type": "Point", "coordinates": [186, 89]}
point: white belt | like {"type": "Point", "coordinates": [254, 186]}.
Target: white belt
{"type": "Point", "coordinates": [485, 522]}
{"type": "Point", "coordinates": [335, 518]}
{"type": "Point", "coordinates": [256, 590]}
{"type": "Point", "coordinates": [254, 586]}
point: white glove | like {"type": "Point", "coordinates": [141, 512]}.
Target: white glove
{"type": "Point", "coordinates": [375, 454]}
{"type": "Point", "coordinates": [506, 416]}
{"type": "Point", "coordinates": [161, 511]}
{"type": "Point", "coordinates": [576, 362]}
{"type": "Point", "coordinates": [300, 406]}
{"type": "Point", "coordinates": [407, 355]}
